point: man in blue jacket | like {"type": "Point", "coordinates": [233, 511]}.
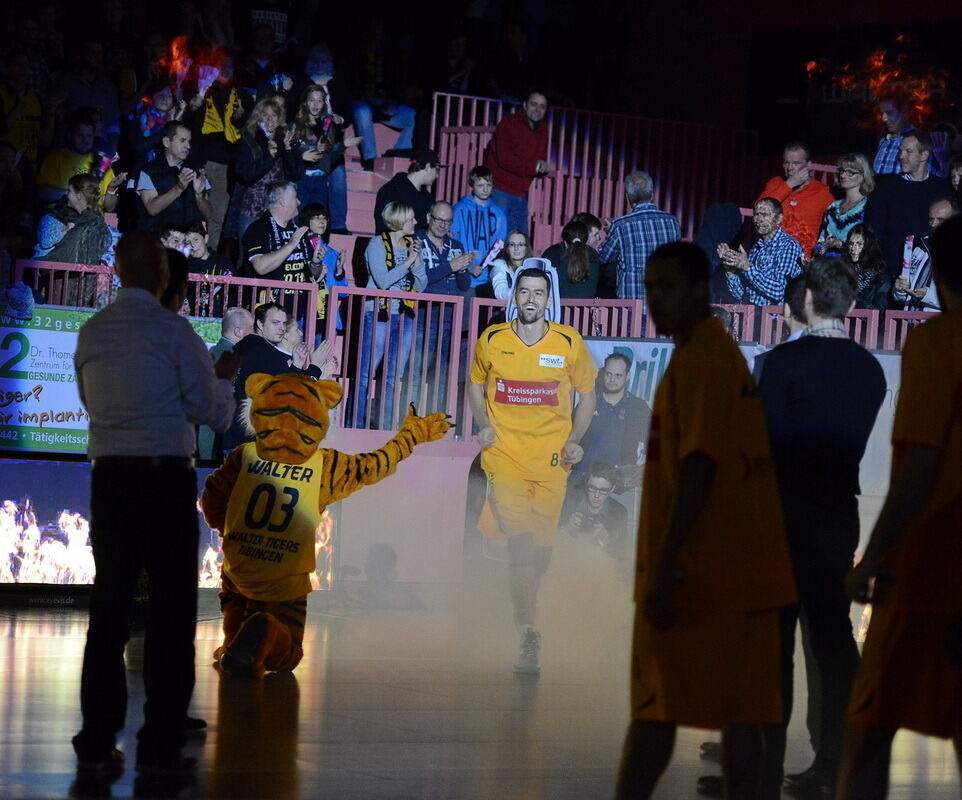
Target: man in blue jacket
{"type": "Point", "coordinates": [446, 263]}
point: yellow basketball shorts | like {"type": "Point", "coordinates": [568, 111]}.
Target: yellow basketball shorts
{"type": "Point", "coordinates": [516, 504]}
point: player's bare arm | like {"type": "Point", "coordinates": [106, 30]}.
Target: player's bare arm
{"type": "Point", "coordinates": [486, 434]}
{"type": "Point", "coordinates": [581, 419]}
{"type": "Point", "coordinates": [911, 488]}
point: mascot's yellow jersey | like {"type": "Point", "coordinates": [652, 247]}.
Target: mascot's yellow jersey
{"type": "Point", "coordinates": [527, 394]}
{"type": "Point", "coordinates": [272, 515]}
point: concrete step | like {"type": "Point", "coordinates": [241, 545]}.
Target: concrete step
{"type": "Point", "coordinates": [341, 241]}
{"type": "Point", "coordinates": [359, 180]}
{"type": "Point", "coordinates": [387, 168]}
{"type": "Point", "coordinates": [361, 200]}
{"type": "Point", "coordinates": [384, 136]}
{"type": "Point", "coordinates": [360, 221]}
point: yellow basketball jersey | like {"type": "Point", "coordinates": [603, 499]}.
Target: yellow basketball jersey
{"type": "Point", "coordinates": [272, 516]}
{"type": "Point", "coordinates": [528, 394]}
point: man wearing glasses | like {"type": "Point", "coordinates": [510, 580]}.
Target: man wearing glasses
{"type": "Point", "coordinates": [444, 257]}
{"type": "Point", "coordinates": [597, 515]}
{"type": "Point", "coordinates": [446, 264]}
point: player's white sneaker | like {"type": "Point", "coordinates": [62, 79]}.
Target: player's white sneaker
{"type": "Point", "coordinates": [527, 662]}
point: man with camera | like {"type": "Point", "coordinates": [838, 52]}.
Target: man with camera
{"type": "Point", "coordinates": [593, 513]}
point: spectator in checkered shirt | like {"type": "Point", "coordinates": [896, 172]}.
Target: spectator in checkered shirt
{"type": "Point", "coordinates": [759, 277]}
{"type": "Point", "coordinates": [636, 235]}
{"type": "Point", "coordinates": [894, 112]}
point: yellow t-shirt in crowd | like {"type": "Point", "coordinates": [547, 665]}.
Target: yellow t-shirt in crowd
{"type": "Point", "coordinates": [24, 134]}
{"type": "Point", "coordinates": [929, 413]}
{"type": "Point", "coordinates": [736, 556]}
{"type": "Point", "coordinates": [272, 518]}
{"type": "Point", "coordinates": [61, 165]}
{"type": "Point", "coordinates": [528, 393]}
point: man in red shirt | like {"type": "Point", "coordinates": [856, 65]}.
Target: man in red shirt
{"type": "Point", "coordinates": [803, 198]}
{"type": "Point", "coordinates": [517, 155]}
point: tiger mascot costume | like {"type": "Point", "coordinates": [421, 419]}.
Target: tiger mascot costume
{"type": "Point", "coordinates": [266, 501]}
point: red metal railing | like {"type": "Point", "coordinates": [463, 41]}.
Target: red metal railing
{"type": "Point", "coordinates": [86, 286]}
{"type": "Point", "coordinates": [742, 326]}
{"type": "Point", "coordinates": [693, 165]}
{"type": "Point", "coordinates": [862, 325]}
{"type": "Point", "coordinates": [439, 353]}
{"type": "Point", "coordinates": [427, 376]}
{"type": "Point", "coordinates": [898, 324]}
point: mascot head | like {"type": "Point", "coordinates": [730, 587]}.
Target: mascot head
{"type": "Point", "coordinates": [287, 414]}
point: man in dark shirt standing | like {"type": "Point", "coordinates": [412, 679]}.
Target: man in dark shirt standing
{"type": "Point", "coordinates": [145, 378]}
{"type": "Point", "coordinates": [412, 188]}
{"type": "Point", "coordinates": [619, 427]}
{"type": "Point", "coordinates": [899, 206]}
{"type": "Point", "coordinates": [170, 191]}
{"type": "Point", "coordinates": [821, 394]}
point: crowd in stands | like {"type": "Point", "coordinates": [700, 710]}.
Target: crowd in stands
{"type": "Point", "coordinates": [227, 133]}
{"type": "Point", "coordinates": [189, 112]}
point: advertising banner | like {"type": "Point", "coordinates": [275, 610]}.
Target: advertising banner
{"type": "Point", "coordinates": [650, 357]}
{"type": "Point", "coordinates": [40, 408]}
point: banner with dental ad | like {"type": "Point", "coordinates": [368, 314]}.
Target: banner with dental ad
{"type": "Point", "coordinates": [650, 358]}
{"type": "Point", "coordinates": [40, 408]}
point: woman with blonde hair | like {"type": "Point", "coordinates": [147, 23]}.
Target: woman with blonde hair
{"type": "Point", "coordinates": [855, 179]}
{"type": "Point", "coordinates": [394, 262]}
{"type": "Point", "coordinates": [264, 155]}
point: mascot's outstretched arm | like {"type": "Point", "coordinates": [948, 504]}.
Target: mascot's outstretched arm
{"type": "Point", "coordinates": [345, 474]}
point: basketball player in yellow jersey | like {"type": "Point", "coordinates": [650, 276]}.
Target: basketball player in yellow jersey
{"type": "Point", "coordinates": [520, 394]}
{"type": "Point", "coordinates": [712, 567]}
{"type": "Point", "coordinates": [911, 671]}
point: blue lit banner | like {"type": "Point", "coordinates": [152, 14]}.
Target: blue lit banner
{"type": "Point", "coordinates": [649, 360]}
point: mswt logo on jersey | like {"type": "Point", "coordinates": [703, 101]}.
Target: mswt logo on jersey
{"type": "Point", "coordinates": [547, 360]}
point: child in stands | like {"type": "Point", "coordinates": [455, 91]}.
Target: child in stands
{"type": "Point", "coordinates": [327, 264]}
{"type": "Point", "coordinates": [204, 261]}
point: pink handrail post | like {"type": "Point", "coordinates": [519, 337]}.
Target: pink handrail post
{"type": "Point", "coordinates": [898, 324]}
{"type": "Point", "coordinates": [454, 369]}
{"type": "Point", "coordinates": [58, 290]}
{"type": "Point", "coordinates": [772, 322]}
